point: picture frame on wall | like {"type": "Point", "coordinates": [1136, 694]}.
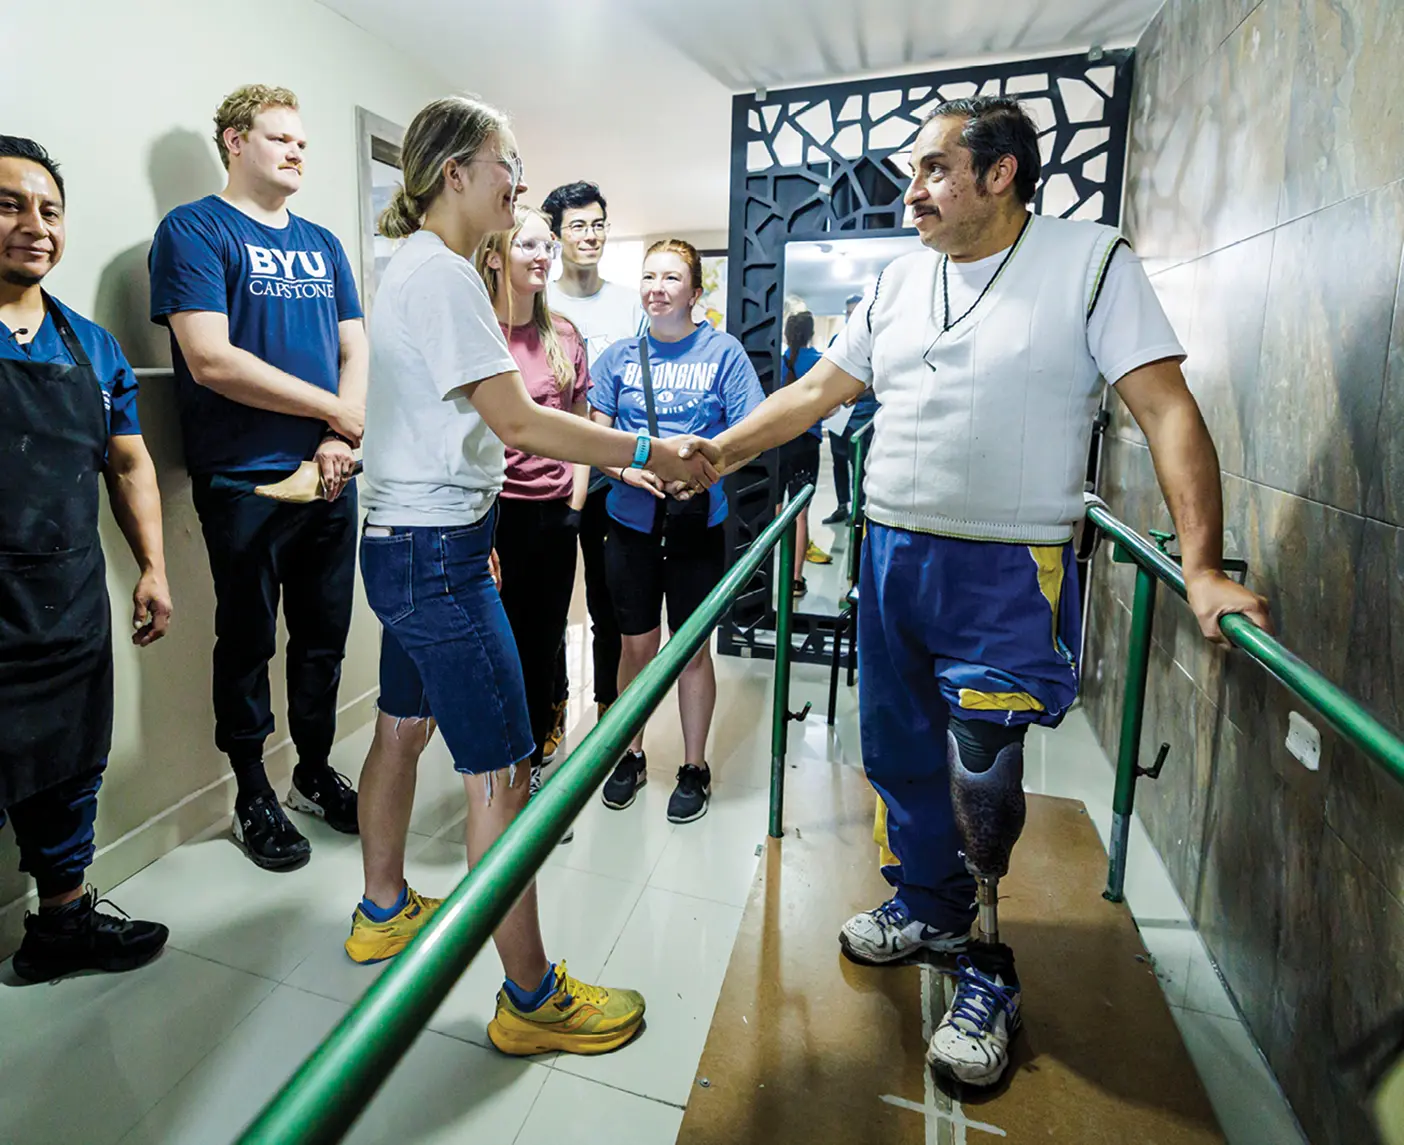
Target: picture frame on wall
{"type": "Point", "coordinates": [713, 302]}
{"type": "Point", "coordinates": [378, 160]}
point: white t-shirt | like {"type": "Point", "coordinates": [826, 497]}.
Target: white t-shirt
{"type": "Point", "coordinates": [429, 458]}
{"type": "Point", "coordinates": [1128, 327]}
{"type": "Point", "coordinates": [984, 426]}
{"type": "Point", "coordinates": [611, 313]}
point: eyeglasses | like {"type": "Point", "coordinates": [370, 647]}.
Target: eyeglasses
{"type": "Point", "coordinates": [512, 164]}
{"type": "Point", "coordinates": [538, 248]}
{"type": "Point", "coordinates": [579, 229]}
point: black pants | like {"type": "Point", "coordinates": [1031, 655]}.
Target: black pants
{"type": "Point", "coordinates": [261, 549]}
{"type": "Point", "coordinates": [54, 830]}
{"type": "Point", "coordinates": [841, 448]}
{"type": "Point", "coordinates": [604, 627]}
{"type": "Point", "coordinates": [536, 550]}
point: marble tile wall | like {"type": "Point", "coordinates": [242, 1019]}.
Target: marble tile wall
{"type": "Point", "coordinates": [1265, 193]}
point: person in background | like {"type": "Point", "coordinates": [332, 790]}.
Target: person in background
{"type": "Point", "coordinates": [68, 412]}
{"type": "Point", "coordinates": [603, 312]}
{"type": "Point", "coordinates": [841, 444]}
{"type": "Point", "coordinates": [538, 513]}
{"type": "Point", "coordinates": [969, 606]}
{"type": "Point", "coordinates": [446, 399]}
{"type": "Point", "coordinates": [270, 361]}
{"type": "Point", "coordinates": [799, 459]}
{"type": "Point", "coordinates": [659, 548]}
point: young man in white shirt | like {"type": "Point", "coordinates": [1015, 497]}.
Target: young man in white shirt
{"type": "Point", "coordinates": [603, 312]}
{"type": "Point", "coordinates": [987, 352]}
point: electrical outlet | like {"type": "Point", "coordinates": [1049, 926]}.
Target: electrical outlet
{"type": "Point", "coordinates": [1304, 741]}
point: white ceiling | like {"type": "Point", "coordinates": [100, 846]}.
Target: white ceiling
{"type": "Point", "coordinates": [636, 94]}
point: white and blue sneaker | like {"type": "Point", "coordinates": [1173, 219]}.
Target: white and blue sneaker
{"type": "Point", "coordinates": [971, 1045]}
{"type": "Point", "coordinates": [890, 934]}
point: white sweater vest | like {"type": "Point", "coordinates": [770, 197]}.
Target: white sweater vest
{"type": "Point", "coordinates": [983, 430]}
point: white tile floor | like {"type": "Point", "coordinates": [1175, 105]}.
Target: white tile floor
{"type": "Point", "coordinates": [184, 1051]}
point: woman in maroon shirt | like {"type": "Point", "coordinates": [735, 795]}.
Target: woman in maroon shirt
{"type": "Point", "coordinates": [539, 510]}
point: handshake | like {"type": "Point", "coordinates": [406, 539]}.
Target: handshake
{"type": "Point", "coordinates": [678, 467]}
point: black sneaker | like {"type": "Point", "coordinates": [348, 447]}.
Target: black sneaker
{"type": "Point", "coordinates": [630, 774]}
{"type": "Point", "coordinates": [690, 797]}
{"type": "Point", "coordinates": [838, 516]}
{"type": "Point", "coordinates": [79, 937]}
{"type": "Point", "coordinates": [327, 794]}
{"type": "Point", "coordinates": [269, 837]}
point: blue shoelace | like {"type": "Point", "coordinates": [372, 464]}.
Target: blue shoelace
{"type": "Point", "coordinates": [978, 999]}
{"type": "Point", "coordinates": [893, 913]}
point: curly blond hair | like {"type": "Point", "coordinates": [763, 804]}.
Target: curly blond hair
{"type": "Point", "coordinates": [241, 106]}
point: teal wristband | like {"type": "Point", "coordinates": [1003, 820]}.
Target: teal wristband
{"type": "Point", "coordinates": [642, 448]}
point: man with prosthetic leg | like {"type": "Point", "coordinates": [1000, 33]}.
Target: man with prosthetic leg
{"type": "Point", "coordinates": [988, 353]}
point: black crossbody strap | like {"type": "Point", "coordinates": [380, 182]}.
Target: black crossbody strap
{"type": "Point", "coordinates": [647, 372]}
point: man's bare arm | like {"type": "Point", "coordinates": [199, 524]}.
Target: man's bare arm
{"type": "Point", "coordinates": [1187, 467]}
{"type": "Point", "coordinates": [355, 363]}
{"type": "Point", "coordinates": [136, 503]}
{"type": "Point", "coordinates": [786, 414]}
{"type": "Point", "coordinates": [215, 363]}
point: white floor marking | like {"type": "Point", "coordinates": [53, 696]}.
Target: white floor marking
{"type": "Point", "coordinates": [933, 1116]}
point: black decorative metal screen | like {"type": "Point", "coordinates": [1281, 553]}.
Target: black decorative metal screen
{"type": "Point", "coordinates": [831, 161]}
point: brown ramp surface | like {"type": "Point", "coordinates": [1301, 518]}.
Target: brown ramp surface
{"type": "Point", "coordinates": [808, 1048]}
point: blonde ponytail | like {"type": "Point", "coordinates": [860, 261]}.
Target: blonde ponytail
{"type": "Point", "coordinates": [401, 218]}
{"type": "Point", "coordinates": [454, 127]}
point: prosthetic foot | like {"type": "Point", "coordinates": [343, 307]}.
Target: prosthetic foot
{"type": "Point", "coordinates": [303, 486]}
{"type": "Point", "coordinates": [989, 810]}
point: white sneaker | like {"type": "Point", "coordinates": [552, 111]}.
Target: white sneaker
{"type": "Point", "coordinates": [889, 934]}
{"type": "Point", "coordinates": [971, 1045]}
{"type": "Point", "coordinates": [536, 782]}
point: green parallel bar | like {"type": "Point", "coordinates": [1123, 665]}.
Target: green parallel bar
{"type": "Point", "coordinates": [1133, 710]}
{"type": "Point", "coordinates": [321, 1101]}
{"type": "Point", "coordinates": [1341, 710]}
{"type": "Point", "coordinates": [780, 708]}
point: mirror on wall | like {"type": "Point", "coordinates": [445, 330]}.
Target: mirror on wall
{"type": "Point", "coordinates": [822, 277]}
{"type": "Point", "coordinates": [378, 154]}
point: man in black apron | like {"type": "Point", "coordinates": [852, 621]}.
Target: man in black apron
{"type": "Point", "coordinates": [67, 413]}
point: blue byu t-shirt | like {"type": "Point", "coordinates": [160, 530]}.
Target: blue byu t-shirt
{"type": "Point", "coordinates": [114, 375]}
{"type": "Point", "coordinates": [701, 385]}
{"type": "Point", "coordinates": [284, 291]}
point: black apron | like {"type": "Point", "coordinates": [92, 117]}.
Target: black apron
{"type": "Point", "coordinates": [55, 620]}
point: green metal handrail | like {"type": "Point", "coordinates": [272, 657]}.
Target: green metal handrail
{"type": "Point", "coordinates": [1341, 710]}
{"type": "Point", "coordinates": [321, 1101]}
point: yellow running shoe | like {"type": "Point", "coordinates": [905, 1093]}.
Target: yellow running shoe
{"type": "Point", "coordinates": [576, 1019]}
{"type": "Point", "coordinates": [372, 941]}
{"type": "Point", "coordinates": [557, 733]}
{"type": "Point", "coordinates": [817, 556]}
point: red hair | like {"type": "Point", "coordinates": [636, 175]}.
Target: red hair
{"type": "Point", "coordinates": [685, 251]}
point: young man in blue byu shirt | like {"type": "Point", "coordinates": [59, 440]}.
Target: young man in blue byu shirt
{"type": "Point", "coordinates": [270, 357]}
{"type": "Point", "coordinates": [67, 413]}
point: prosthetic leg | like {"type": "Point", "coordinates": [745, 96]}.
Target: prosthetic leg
{"type": "Point", "coordinates": [989, 810]}
{"type": "Point", "coordinates": [971, 1045]}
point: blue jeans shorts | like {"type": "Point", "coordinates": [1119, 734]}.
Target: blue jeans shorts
{"type": "Point", "coordinates": [447, 650]}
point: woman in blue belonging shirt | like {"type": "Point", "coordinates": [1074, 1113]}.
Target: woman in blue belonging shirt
{"type": "Point", "coordinates": [799, 459]}
{"type": "Point", "coordinates": [659, 547]}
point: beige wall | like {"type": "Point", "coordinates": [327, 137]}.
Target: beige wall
{"type": "Point", "coordinates": [123, 100]}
